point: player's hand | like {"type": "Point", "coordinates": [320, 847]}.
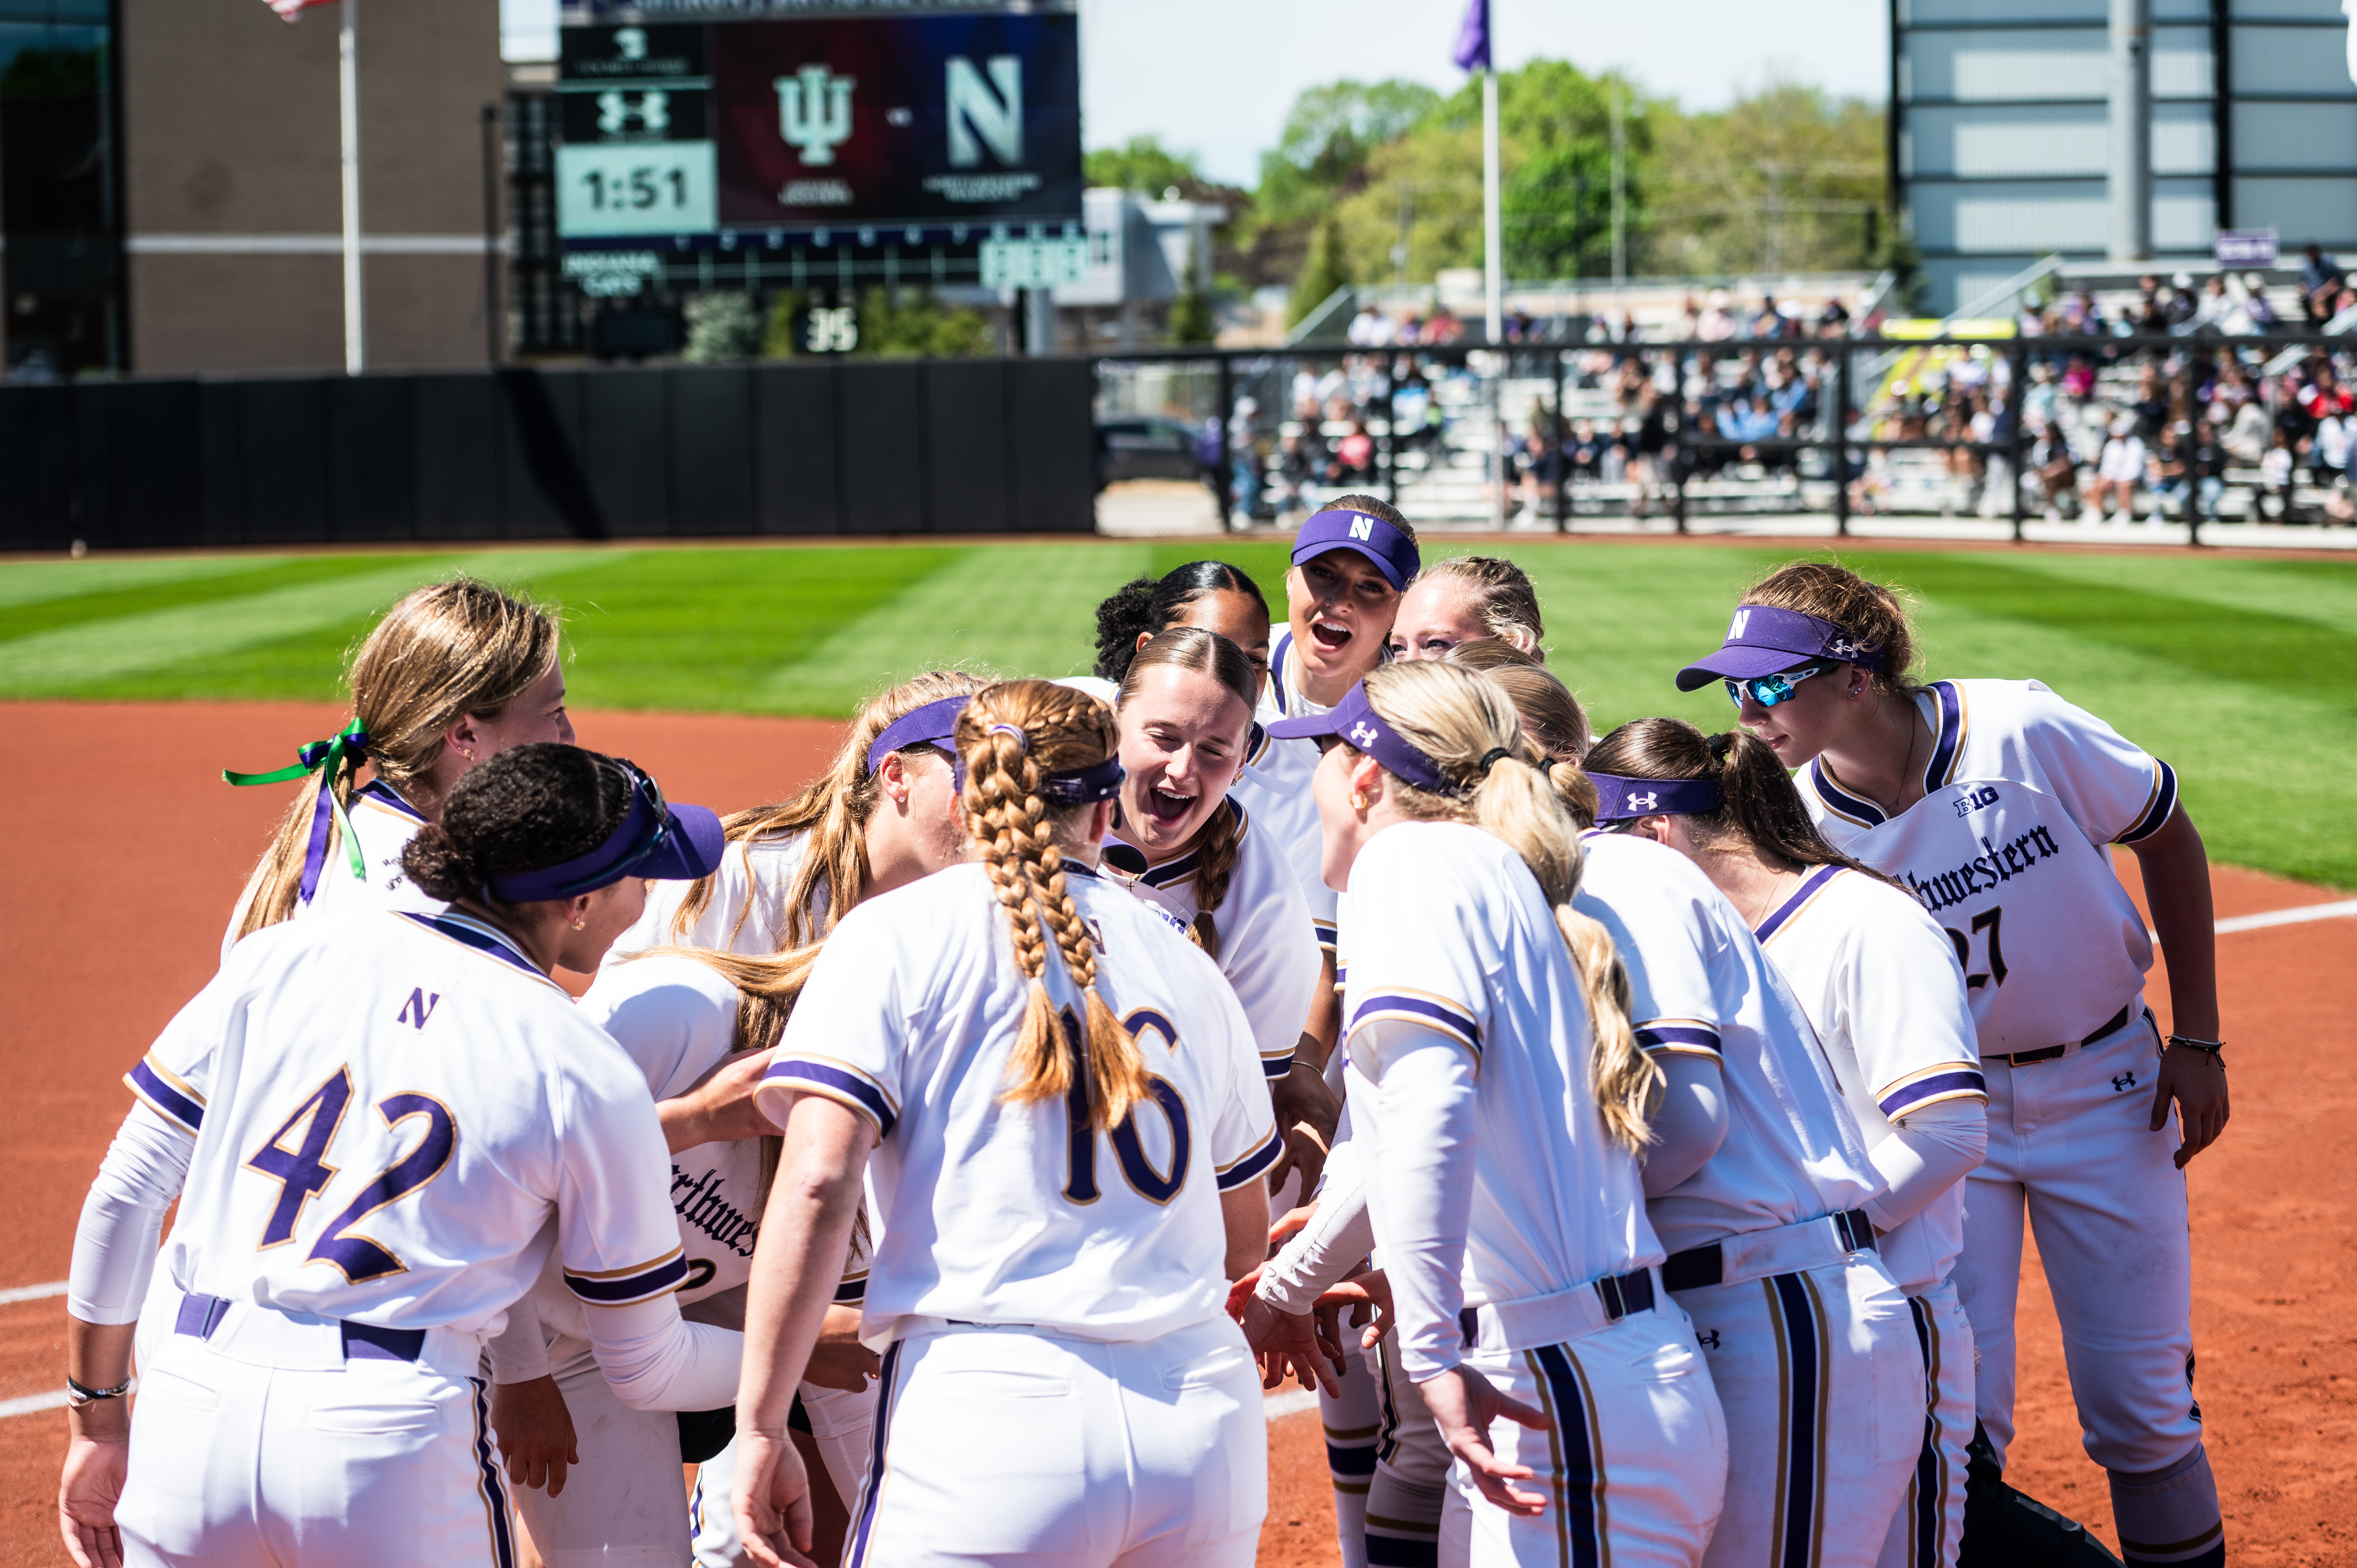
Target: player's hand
{"type": "Point", "coordinates": [1288, 1225]}
{"type": "Point", "coordinates": [839, 1360]}
{"type": "Point", "coordinates": [1369, 1298]}
{"type": "Point", "coordinates": [1464, 1406]}
{"type": "Point", "coordinates": [1307, 1113]}
{"type": "Point", "coordinates": [2197, 1081]}
{"type": "Point", "coordinates": [771, 1502]}
{"type": "Point", "coordinates": [534, 1431]}
{"type": "Point", "coordinates": [718, 1107]}
{"type": "Point", "coordinates": [1286, 1342]}
{"type": "Point", "coordinates": [87, 1493]}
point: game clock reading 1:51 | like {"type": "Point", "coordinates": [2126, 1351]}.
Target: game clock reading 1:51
{"type": "Point", "coordinates": [636, 187]}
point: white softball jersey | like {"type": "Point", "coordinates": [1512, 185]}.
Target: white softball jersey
{"type": "Point", "coordinates": [1268, 950]}
{"type": "Point", "coordinates": [997, 1213]}
{"type": "Point", "coordinates": [2020, 787]}
{"type": "Point", "coordinates": [383, 823]}
{"type": "Point", "coordinates": [1698, 982]}
{"type": "Point", "coordinates": [745, 912]}
{"type": "Point", "coordinates": [1883, 991]}
{"type": "Point", "coordinates": [1274, 785]}
{"type": "Point", "coordinates": [1459, 946]}
{"type": "Point", "coordinates": [387, 1106]}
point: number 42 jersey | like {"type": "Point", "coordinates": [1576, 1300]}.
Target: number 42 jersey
{"type": "Point", "coordinates": [2006, 849]}
{"type": "Point", "coordinates": [386, 1107]}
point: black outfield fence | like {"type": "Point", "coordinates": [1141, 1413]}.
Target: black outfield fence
{"type": "Point", "coordinates": [825, 448]}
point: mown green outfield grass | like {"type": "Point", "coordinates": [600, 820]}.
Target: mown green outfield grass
{"type": "Point", "coordinates": [2242, 672]}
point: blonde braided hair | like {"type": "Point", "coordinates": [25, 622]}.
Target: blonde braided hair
{"type": "Point", "coordinates": [1055, 730]}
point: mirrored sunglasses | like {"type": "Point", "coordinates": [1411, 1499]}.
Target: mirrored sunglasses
{"type": "Point", "coordinates": [1770, 689]}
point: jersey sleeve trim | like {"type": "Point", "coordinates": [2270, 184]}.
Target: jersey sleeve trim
{"type": "Point", "coordinates": [853, 1290]}
{"type": "Point", "coordinates": [1790, 909]}
{"type": "Point", "coordinates": [838, 1082]}
{"type": "Point", "coordinates": [1947, 1081]}
{"type": "Point", "coordinates": [1420, 1007]}
{"type": "Point", "coordinates": [2158, 807]}
{"type": "Point", "coordinates": [640, 1281]}
{"type": "Point", "coordinates": [1325, 930]}
{"type": "Point", "coordinates": [1678, 1036]}
{"type": "Point", "coordinates": [1948, 742]}
{"type": "Point", "coordinates": [167, 1095]}
{"type": "Point", "coordinates": [1230, 1177]}
{"type": "Point", "coordinates": [1274, 1065]}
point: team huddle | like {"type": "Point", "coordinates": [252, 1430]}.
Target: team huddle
{"type": "Point", "coordinates": [1629, 1138]}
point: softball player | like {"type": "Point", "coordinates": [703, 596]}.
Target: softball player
{"type": "Point", "coordinates": [316, 1402]}
{"type": "Point", "coordinates": [1500, 1096]}
{"type": "Point", "coordinates": [1069, 1129]}
{"type": "Point", "coordinates": [1211, 594]}
{"type": "Point", "coordinates": [1466, 598]}
{"type": "Point", "coordinates": [1349, 562]}
{"type": "Point", "coordinates": [455, 673]}
{"type": "Point", "coordinates": [1883, 991]}
{"type": "Point", "coordinates": [1956, 790]}
{"type": "Point", "coordinates": [1180, 843]}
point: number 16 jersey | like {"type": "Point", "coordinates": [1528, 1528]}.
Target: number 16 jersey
{"type": "Point", "coordinates": [2006, 849]}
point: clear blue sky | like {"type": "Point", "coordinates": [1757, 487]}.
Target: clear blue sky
{"type": "Point", "coordinates": [1215, 77]}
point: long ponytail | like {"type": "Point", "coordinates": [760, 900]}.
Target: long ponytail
{"type": "Point", "coordinates": [1010, 736]}
{"type": "Point", "coordinates": [1510, 790]}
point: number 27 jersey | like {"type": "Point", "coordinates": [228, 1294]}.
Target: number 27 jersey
{"type": "Point", "coordinates": [2006, 850]}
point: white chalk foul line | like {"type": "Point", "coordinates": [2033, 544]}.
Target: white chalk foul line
{"type": "Point", "coordinates": [1276, 1406]}
{"type": "Point", "coordinates": [32, 1403]}
{"type": "Point", "coordinates": [32, 1293]}
{"type": "Point", "coordinates": [2305, 912]}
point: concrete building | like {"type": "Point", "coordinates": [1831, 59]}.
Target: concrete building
{"type": "Point", "coordinates": [1999, 146]}
{"type": "Point", "coordinates": [170, 192]}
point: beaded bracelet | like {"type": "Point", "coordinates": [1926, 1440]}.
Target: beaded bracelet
{"type": "Point", "coordinates": [2207, 1047]}
{"type": "Point", "coordinates": [81, 1394]}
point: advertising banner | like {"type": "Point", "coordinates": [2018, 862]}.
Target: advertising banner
{"type": "Point", "coordinates": [912, 127]}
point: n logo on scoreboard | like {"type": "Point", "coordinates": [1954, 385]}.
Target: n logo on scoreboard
{"type": "Point", "coordinates": [975, 111]}
{"type": "Point", "coordinates": [418, 1008]}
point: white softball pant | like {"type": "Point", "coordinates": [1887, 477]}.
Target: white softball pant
{"type": "Point", "coordinates": [1013, 1444]}
{"type": "Point", "coordinates": [624, 1505]}
{"type": "Point", "coordinates": [841, 1423]}
{"type": "Point", "coordinates": [268, 1443]}
{"type": "Point", "coordinates": [1822, 1380]}
{"type": "Point", "coordinates": [2070, 1145]}
{"type": "Point", "coordinates": [1929, 1526]}
{"type": "Point", "coordinates": [1631, 1467]}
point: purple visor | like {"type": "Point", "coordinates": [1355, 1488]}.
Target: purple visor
{"type": "Point", "coordinates": [1083, 786]}
{"type": "Point", "coordinates": [1394, 552]}
{"type": "Point", "coordinates": [659, 842]}
{"type": "Point", "coordinates": [934, 724]}
{"type": "Point", "coordinates": [1620, 800]}
{"type": "Point", "coordinates": [1761, 641]}
{"type": "Point", "coordinates": [1355, 721]}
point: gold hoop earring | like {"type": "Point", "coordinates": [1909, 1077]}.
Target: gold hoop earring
{"type": "Point", "coordinates": [580, 925]}
{"type": "Point", "coordinates": [1359, 801]}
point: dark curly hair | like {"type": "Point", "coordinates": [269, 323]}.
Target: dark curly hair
{"type": "Point", "coordinates": [1150, 605]}
{"type": "Point", "coordinates": [528, 807]}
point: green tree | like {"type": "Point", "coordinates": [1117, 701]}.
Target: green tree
{"type": "Point", "coordinates": [1781, 180]}
{"type": "Point", "coordinates": [1143, 164]}
{"type": "Point", "coordinates": [1190, 313]}
{"type": "Point", "coordinates": [1328, 135]}
{"type": "Point", "coordinates": [1324, 273]}
{"type": "Point", "coordinates": [904, 324]}
{"type": "Point", "coordinates": [721, 326]}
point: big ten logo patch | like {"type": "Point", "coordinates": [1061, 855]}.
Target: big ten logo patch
{"type": "Point", "coordinates": [1973, 799]}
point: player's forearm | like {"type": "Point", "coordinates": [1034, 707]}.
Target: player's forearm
{"type": "Point", "coordinates": [122, 1217]}
{"type": "Point", "coordinates": [1420, 1178]}
{"type": "Point", "coordinates": [1690, 1122]}
{"type": "Point", "coordinates": [1323, 1252]}
{"type": "Point", "coordinates": [805, 1235]}
{"type": "Point", "coordinates": [2177, 887]}
{"type": "Point", "coordinates": [1243, 1213]}
{"type": "Point", "coordinates": [1927, 1153]}
{"type": "Point", "coordinates": [98, 1355]}
{"type": "Point", "coordinates": [1324, 1026]}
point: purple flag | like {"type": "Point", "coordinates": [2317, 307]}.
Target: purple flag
{"type": "Point", "coordinates": [1473, 37]}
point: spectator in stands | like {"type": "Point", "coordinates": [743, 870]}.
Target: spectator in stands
{"type": "Point", "coordinates": [2118, 472]}
{"type": "Point", "coordinates": [2276, 477]}
{"type": "Point", "coordinates": [2217, 307]}
{"type": "Point", "coordinates": [2057, 470]}
{"type": "Point", "coordinates": [2262, 313]}
{"type": "Point", "coordinates": [1833, 321]}
{"type": "Point", "coordinates": [2179, 306]}
{"type": "Point", "coordinates": [2320, 281]}
{"type": "Point", "coordinates": [1354, 457]}
{"type": "Point", "coordinates": [2247, 438]}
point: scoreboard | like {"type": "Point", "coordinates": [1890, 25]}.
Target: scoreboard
{"type": "Point", "coordinates": [959, 129]}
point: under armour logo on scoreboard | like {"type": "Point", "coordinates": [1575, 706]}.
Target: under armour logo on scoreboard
{"type": "Point", "coordinates": [1644, 802]}
{"type": "Point", "coordinates": [1363, 735]}
{"type": "Point", "coordinates": [814, 111]}
{"type": "Point", "coordinates": [614, 110]}
{"type": "Point", "coordinates": [1362, 528]}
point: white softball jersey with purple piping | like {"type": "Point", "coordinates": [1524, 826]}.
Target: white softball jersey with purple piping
{"type": "Point", "coordinates": [1878, 978]}
{"type": "Point", "coordinates": [1459, 944]}
{"type": "Point", "coordinates": [1268, 950]}
{"type": "Point", "coordinates": [1275, 786]}
{"type": "Point", "coordinates": [1698, 982]}
{"type": "Point", "coordinates": [745, 912]}
{"type": "Point", "coordinates": [387, 1106]}
{"type": "Point", "coordinates": [383, 823]}
{"type": "Point", "coordinates": [2020, 787]}
{"type": "Point", "coordinates": [997, 1213]}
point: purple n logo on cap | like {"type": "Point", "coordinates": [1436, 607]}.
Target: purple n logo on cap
{"type": "Point", "coordinates": [1762, 639]}
{"type": "Point", "coordinates": [1395, 554]}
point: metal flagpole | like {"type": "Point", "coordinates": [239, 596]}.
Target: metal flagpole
{"type": "Point", "coordinates": [1494, 264]}
{"type": "Point", "coordinates": [349, 82]}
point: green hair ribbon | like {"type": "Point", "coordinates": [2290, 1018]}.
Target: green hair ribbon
{"type": "Point", "coordinates": [347, 748]}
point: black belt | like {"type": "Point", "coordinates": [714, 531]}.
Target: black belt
{"type": "Point", "coordinates": [200, 1314]}
{"type": "Point", "coordinates": [1620, 1294]}
{"type": "Point", "coordinates": [1705, 1265]}
{"type": "Point", "coordinates": [2047, 1053]}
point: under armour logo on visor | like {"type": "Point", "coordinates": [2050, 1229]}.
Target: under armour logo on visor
{"type": "Point", "coordinates": [1363, 735]}
{"type": "Point", "coordinates": [1641, 802]}
{"type": "Point", "coordinates": [1362, 528]}
{"type": "Point", "coordinates": [1735, 627]}
{"type": "Point", "coordinates": [1841, 647]}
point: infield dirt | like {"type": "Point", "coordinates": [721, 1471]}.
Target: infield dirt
{"type": "Point", "coordinates": [124, 852]}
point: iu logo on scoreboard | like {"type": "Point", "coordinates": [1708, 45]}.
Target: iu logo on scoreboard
{"type": "Point", "coordinates": [814, 111]}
